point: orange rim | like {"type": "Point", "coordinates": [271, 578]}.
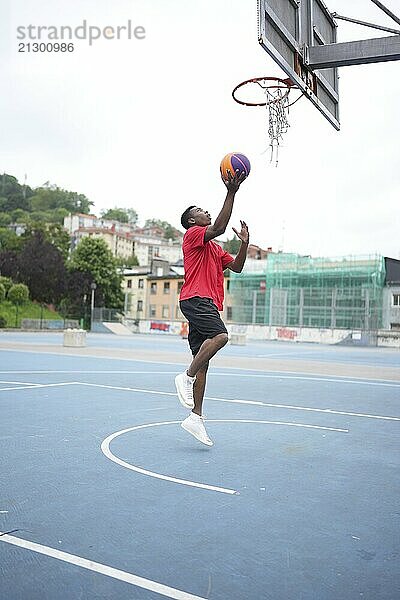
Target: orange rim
{"type": "Point", "coordinates": [278, 83]}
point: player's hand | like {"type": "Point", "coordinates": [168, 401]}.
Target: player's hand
{"type": "Point", "coordinates": [233, 182]}
{"type": "Point", "coordinates": [243, 234]}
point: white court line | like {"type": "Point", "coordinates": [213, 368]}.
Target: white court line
{"type": "Point", "coordinates": [20, 382]}
{"type": "Point", "coordinates": [39, 385]}
{"type": "Point", "coordinates": [86, 371]}
{"type": "Point", "coordinates": [164, 362]}
{"type": "Point", "coordinates": [275, 375]}
{"type": "Point", "coordinates": [281, 354]}
{"type": "Point", "coordinates": [147, 584]}
{"type": "Point", "coordinates": [363, 381]}
{"type": "Point", "coordinates": [253, 402]}
{"type": "Point", "coordinates": [216, 399]}
{"type": "Point", "coordinates": [105, 448]}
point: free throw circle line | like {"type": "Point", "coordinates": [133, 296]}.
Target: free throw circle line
{"type": "Point", "coordinates": [105, 448]}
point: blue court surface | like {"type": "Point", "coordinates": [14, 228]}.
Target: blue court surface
{"type": "Point", "coordinates": [104, 495]}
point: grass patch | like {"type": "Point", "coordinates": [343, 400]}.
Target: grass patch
{"type": "Point", "coordinates": [31, 310]}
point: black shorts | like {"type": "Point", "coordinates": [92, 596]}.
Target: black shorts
{"type": "Point", "coordinates": [204, 321]}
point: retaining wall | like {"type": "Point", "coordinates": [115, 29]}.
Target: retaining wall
{"type": "Point", "coordinates": [286, 334]}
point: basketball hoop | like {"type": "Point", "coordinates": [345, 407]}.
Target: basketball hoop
{"type": "Point", "coordinates": [273, 93]}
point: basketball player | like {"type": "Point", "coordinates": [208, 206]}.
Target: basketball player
{"type": "Point", "coordinates": [202, 296]}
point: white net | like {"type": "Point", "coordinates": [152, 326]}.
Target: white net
{"type": "Point", "coordinates": [277, 105]}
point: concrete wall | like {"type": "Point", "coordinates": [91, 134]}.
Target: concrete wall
{"type": "Point", "coordinates": [389, 339]}
{"type": "Point", "coordinates": [285, 334]}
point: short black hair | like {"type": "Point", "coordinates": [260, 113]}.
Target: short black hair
{"type": "Point", "coordinates": [185, 217]}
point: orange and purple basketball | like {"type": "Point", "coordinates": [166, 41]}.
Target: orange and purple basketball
{"type": "Point", "coordinates": [234, 162]}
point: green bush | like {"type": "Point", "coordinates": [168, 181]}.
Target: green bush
{"type": "Point", "coordinates": [18, 294]}
{"type": "Point", "coordinates": [3, 322]}
{"type": "Point", "coordinates": [7, 282]}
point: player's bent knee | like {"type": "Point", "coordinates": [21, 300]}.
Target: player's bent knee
{"type": "Point", "coordinates": [222, 338]}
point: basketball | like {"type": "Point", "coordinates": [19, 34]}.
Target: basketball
{"type": "Point", "coordinates": [234, 162]}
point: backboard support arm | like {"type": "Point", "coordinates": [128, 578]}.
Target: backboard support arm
{"type": "Point", "coordinates": [365, 23]}
{"type": "Point", "coordinates": [382, 49]}
{"type": "Point", "coordinates": [386, 11]}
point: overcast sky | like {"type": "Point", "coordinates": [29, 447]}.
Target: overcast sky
{"type": "Point", "coordinates": [145, 123]}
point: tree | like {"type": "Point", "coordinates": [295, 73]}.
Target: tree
{"type": "Point", "coordinates": [131, 261]}
{"type": "Point", "coordinates": [54, 233]}
{"type": "Point", "coordinates": [93, 255]}
{"type": "Point", "coordinates": [9, 264]}
{"type": "Point", "coordinates": [132, 216]}
{"type": "Point", "coordinates": [115, 214]}
{"type": "Point", "coordinates": [76, 300]}
{"type": "Point", "coordinates": [123, 215]}
{"type": "Point", "coordinates": [18, 295]}
{"type": "Point", "coordinates": [19, 216]}
{"type": "Point", "coordinates": [232, 246]}
{"type": "Point", "coordinates": [170, 232]}
{"type": "Point", "coordinates": [41, 267]}
{"type": "Point", "coordinates": [2, 293]}
{"type": "Point", "coordinates": [13, 195]}
{"type": "Point", "coordinates": [5, 219]}
{"type": "Point", "coordinates": [9, 240]}
{"type": "Point", "coordinates": [51, 197]}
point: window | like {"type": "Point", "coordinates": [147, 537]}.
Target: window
{"type": "Point", "coordinates": [166, 287]}
{"type": "Point", "coordinates": [178, 314]}
{"type": "Point", "coordinates": [129, 283]}
{"type": "Point", "coordinates": [153, 287]}
{"type": "Point", "coordinates": [152, 310]}
{"type": "Point", "coordinates": [141, 284]}
{"type": "Point", "coordinates": [139, 305]}
{"type": "Point", "coordinates": [229, 313]}
{"type": "Point", "coordinates": [396, 300]}
{"type": "Point", "coordinates": [180, 284]}
{"type": "Point", "coordinates": [165, 311]}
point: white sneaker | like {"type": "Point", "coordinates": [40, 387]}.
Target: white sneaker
{"type": "Point", "coordinates": [184, 387]}
{"type": "Point", "coordinates": [194, 425]}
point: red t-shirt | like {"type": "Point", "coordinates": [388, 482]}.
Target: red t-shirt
{"type": "Point", "coordinates": [204, 264]}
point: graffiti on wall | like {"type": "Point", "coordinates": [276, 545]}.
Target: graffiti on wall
{"type": "Point", "coordinates": [286, 334]}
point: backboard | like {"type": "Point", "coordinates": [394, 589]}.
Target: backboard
{"type": "Point", "coordinates": [287, 29]}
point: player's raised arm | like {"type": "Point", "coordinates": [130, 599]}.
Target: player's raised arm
{"type": "Point", "coordinates": [243, 235]}
{"type": "Point", "coordinates": [221, 222]}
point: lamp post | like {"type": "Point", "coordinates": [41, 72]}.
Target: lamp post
{"type": "Point", "coordinates": [93, 287]}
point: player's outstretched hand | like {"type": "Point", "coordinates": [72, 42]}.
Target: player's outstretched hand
{"type": "Point", "coordinates": [233, 182]}
{"type": "Point", "coordinates": [243, 234]}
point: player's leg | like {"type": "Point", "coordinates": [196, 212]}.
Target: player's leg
{"type": "Point", "coordinates": [207, 335]}
{"type": "Point", "coordinates": [185, 384]}
{"type": "Point", "coordinates": [194, 423]}
{"type": "Point", "coordinates": [208, 349]}
{"type": "Point", "coordinates": [199, 389]}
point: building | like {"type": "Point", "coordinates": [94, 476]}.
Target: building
{"type": "Point", "coordinates": [257, 253]}
{"type": "Point", "coordinates": [163, 297]}
{"type": "Point", "coordinates": [76, 221]}
{"type": "Point", "coordinates": [153, 292]}
{"type": "Point", "coordinates": [146, 248]}
{"type": "Point", "coordinates": [124, 239]}
{"type": "Point", "coordinates": [134, 285]}
{"type": "Point", "coordinates": [391, 295]}
{"type": "Point", "coordinates": [120, 243]}
{"type": "Point", "coordinates": [301, 291]}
